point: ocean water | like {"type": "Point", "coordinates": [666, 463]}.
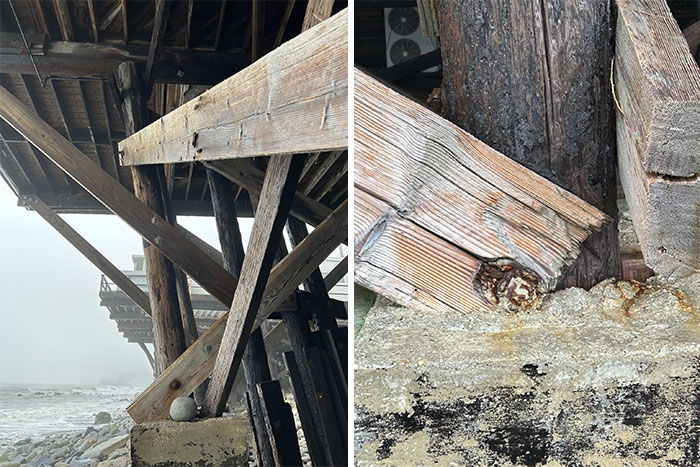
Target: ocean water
{"type": "Point", "coordinates": [32, 411]}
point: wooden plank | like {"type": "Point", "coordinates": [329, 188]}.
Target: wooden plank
{"type": "Point", "coordinates": [280, 424]}
{"type": "Point", "coordinates": [139, 297]}
{"type": "Point", "coordinates": [84, 59]}
{"type": "Point", "coordinates": [245, 174]}
{"type": "Point", "coordinates": [429, 17]}
{"type": "Point", "coordinates": [316, 12]}
{"type": "Point", "coordinates": [657, 84]}
{"type": "Point", "coordinates": [161, 276]}
{"type": "Point", "coordinates": [197, 363]}
{"type": "Point", "coordinates": [220, 25]}
{"type": "Point", "coordinates": [93, 21]}
{"type": "Point", "coordinates": [338, 272]}
{"type": "Point", "coordinates": [281, 179]}
{"type": "Point", "coordinates": [188, 26]}
{"type": "Point", "coordinates": [663, 86]}
{"type": "Point", "coordinates": [545, 102]}
{"type": "Point", "coordinates": [255, 363]}
{"type": "Point", "coordinates": [160, 23]}
{"type": "Point", "coordinates": [326, 163]}
{"type": "Point", "coordinates": [313, 442]}
{"type": "Point", "coordinates": [439, 179]}
{"type": "Point", "coordinates": [117, 198]}
{"type": "Point", "coordinates": [294, 100]}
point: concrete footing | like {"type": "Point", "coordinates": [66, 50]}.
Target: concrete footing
{"type": "Point", "coordinates": [211, 442]}
{"type": "Point", "coordinates": [609, 377]}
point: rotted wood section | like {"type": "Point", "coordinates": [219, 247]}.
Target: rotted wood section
{"type": "Point", "coordinates": [657, 84]}
{"type": "Point", "coordinates": [443, 221]}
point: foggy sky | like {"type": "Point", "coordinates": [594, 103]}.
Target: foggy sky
{"type": "Point", "coordinates": [52, 328]}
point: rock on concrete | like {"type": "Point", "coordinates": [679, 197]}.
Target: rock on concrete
{"type": "Point", "coordinates": [605, 377]}
{"type": "Point", "coordinates": [183, 409]}
{"type": "Point", "coordinates": [204, 443]}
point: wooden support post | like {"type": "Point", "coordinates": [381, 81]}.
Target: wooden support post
{"type": "Point", "coordinates": [657, 84]}
{"type": "Point", "coordinates": [280, 424]}
{"type": "Point", "coordinates": [544, 101]}
{"type": "Point", "coordinates": [425, 252]}
{"type": "Point", "coordinates": [316, 12]}
{"type": "Point", "coordinates": [168, 331]}
{"type": "Point", "coordinates": [314, 283]}
{"type": "Point", "coordinates": [281, 179]}
{"type": "Point", "coordinates": [151, 361]}
{"type": "Point", "coordinates": [255, 363]}
{"type": "Point", "coordinates": [95, 257]}
{"type": "Point", "coordinates": [197, 363]}
{"type": "Point", "coordinates": [339, 271]}
{"type": "Point", "coordinates": [293, 100]}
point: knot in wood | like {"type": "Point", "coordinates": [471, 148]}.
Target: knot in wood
{"type": "Point", "coordinates": [509, 284]}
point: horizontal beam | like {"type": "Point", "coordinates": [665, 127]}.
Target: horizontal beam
{"type": "Point", "coordinates": [82, 59]}
{"type": "Point", "coordinates": [293, 100]}
{"type": "Point", "coordinates": [197, 363]}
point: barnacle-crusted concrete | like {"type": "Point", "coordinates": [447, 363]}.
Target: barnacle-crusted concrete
{"type": "Point", "coordinates": [609, 377]}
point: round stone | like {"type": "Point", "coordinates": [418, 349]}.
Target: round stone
{"type": "Point", "coordinates": [183, 409]}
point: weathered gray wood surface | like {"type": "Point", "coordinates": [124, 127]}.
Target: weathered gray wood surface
{"type": "Point", "coordinates": [293, 100]}
{"type": "Point", "coordinates": [657, 84]}
{"type": "Point", "coordinates": [197, 363]}
{"type": "Point", "coordinates": [281, 179]}
{"type": "Point", "coordinates": [662, 81]}
{"type": "Point", "coordinates": [532, 80]}
{"type": "Point", "coordinates": [432, 201]}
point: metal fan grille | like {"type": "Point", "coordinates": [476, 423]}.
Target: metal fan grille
{"type": "Point", "coordinates": [404, 49]}
{"type": "Point", "coordinates": [403, 21]}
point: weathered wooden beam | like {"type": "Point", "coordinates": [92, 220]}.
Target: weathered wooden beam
{"type": "Point", "coordinates": [338, 272]}
{"type": "Point", "coordinates": [316, 12]}
{"type": "Point", "coordinates": [283, 24]}
{"type": "Point", "coordinates": [83, 59]}
{"type": "Point", "coordinates": [151, 361]}
{"type": "Point", "coordinates": [117, 198]}
{"type": "Point", "coordinates": [160, 23]}
{"type": "Point", "coordinates": [125, 24]}
{"type": "Point", "coordinates": [280, 424]}
{"type": "Point", "coordinates": [93, 21]}
{"type": "Point", "coordinates": [220, 25]}
{"type": "Point", "coordinates": [188, 25]}
{"type": "Point", "coordinates": [245, 174]}
{"type": "Point", "coordinates": [432, 201]}
{"type": "Point", "coordinates": [64, 21]}
{"type": "Point", "coordinates": [662, 84]}
{"type": "Point", "coordinates": [294, 100]}
{"type": "Point", "coordinates": [257, 21]}
{"type": "Point", "coordinates": [255, 363]}
{"type": "Point", "coordinates": [161, 275]}
{"type": "Point", "coordinates": [139, 297]}
{"type": "Point", "coordinates": [545, 102]}
{"type": "Point", "coordinates": [657, 84]}
{"type": "Point", "coordinates": [326, 163]}
{"type": "Point", "coordinates": [197, 363]}
{"type": "Point", "coordinates": [281, 179]}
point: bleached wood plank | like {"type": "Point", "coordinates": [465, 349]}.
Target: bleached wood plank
{"type": "Point", "coordinates": [445, 181]}
{"type": "Point", "coordinates": [197, 363]}
{"type": "Point", "coordinates": [293, 100]}
{"type": "Point", "coordinates": [663, 86]}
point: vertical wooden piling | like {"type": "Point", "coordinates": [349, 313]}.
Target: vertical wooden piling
{"type": "Point", "coordinates": [168, 332]}
{"type": "Point", "coordinates": [532, 80]}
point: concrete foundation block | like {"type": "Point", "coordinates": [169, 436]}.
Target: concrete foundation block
{"type": "Point", "coordinates": [606, 377]}
{"type": "Point", "coordinates": [211, 442]}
